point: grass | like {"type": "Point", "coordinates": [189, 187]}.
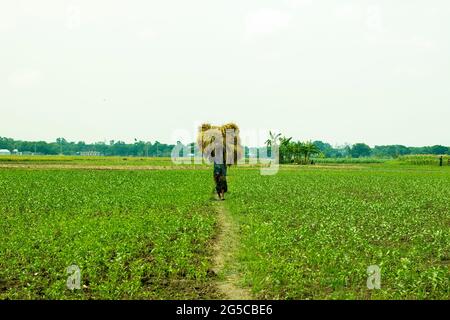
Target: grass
{"type": "Point", "coordinates": [312, 233]}
{"type": "Point", "coordinates": [134, 235]}
{"type": "Point", "coordinates": [349, 160]}
{"type": "Point", "coordinates": [306, 233]}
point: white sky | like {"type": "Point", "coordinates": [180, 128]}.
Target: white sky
{"type": "Point", "coordinates": [339, 71]}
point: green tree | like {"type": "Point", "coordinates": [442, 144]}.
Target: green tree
{"type": "Point", "coordinates": [360, 150]}
{"type": "Point", "coordinates": [326, 149]}
{"type": "Point", "coordinates": [309, 149]}
{"type": "Point", "coordinates": [286, 150]}
{"type": "Point", "coordinates": [439, 149]}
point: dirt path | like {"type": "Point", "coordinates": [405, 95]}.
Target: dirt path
{"type": "Point", "coordinates": [225, 248]}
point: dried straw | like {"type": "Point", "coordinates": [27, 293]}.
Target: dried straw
{"type": "Point", "coordinates": [215, 138]}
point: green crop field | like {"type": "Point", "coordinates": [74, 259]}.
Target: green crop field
{"type": "Point", "coordinates": [308, 232]}
{"type": "Point", "coordinates": [424, 160]}
{"type": "Point", "coordinates": [133, 234]}
{"type": "Point", "coordinates": [312, 233]}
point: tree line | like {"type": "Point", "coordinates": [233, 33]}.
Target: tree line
{"type": "Point", "coordinates": [289, 150]}
{"type": "Point", "coordinates": [359, 150]}
{"type": "Point", "coordinates": [113, 148]}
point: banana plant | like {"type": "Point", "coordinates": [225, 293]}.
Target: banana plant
{"type": "Point", "coordinates": [273, 140]}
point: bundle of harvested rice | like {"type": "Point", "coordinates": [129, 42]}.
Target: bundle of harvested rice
{"type": "Point", "coordinates": [221, 140]}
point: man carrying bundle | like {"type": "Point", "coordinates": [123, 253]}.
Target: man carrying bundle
{"type": "Point", "coordinates": [220, 145]}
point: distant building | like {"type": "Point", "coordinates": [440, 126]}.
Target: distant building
{"type": "Point", "coordinates": [5, 152]}
{"type": "Point", "coordinates": [90, 153]}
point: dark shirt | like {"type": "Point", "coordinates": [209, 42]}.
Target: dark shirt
{"type": "Point", "coordinates": [220, 169]}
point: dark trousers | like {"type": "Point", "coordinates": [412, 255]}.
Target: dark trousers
{"type": "Point", "coordinates": [221, 183]}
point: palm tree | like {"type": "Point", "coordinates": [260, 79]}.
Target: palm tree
{"type": "Point", "coordinates": [286, 149]}
{"type": "Point", "coordinates": [298, 151]}
{"type": "Point", "coordinates": [310, 149]}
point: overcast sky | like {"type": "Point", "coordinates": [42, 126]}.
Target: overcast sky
{"type": "Point", "coordinates": [342, 71]}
